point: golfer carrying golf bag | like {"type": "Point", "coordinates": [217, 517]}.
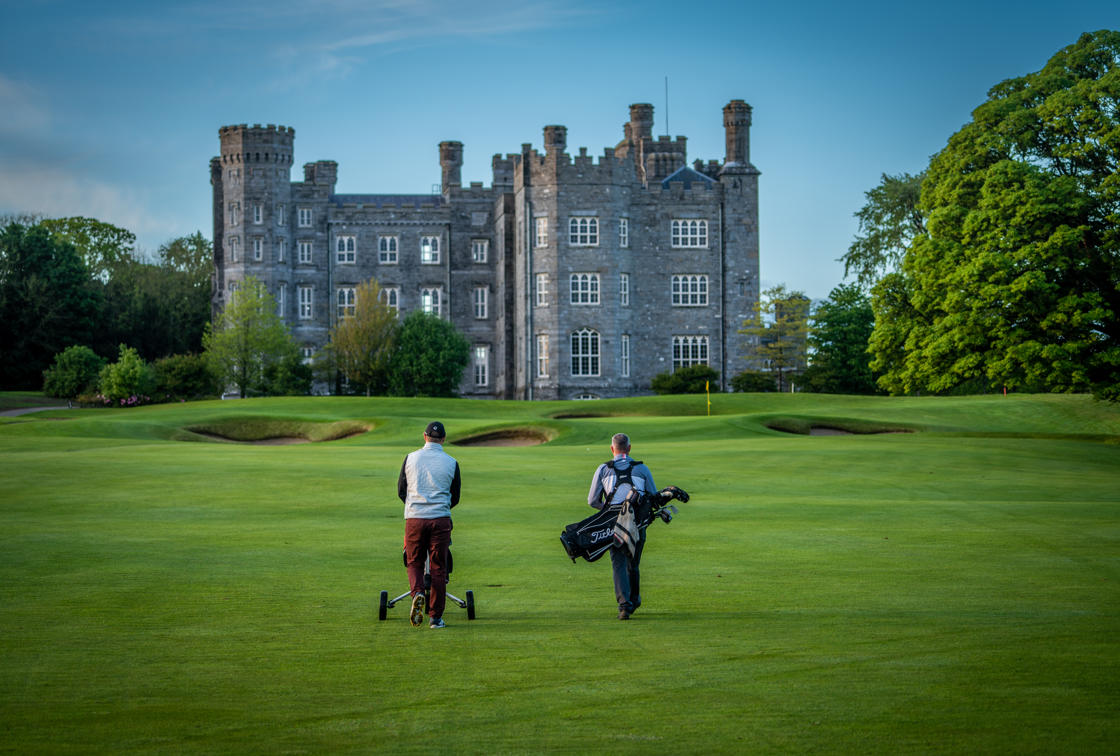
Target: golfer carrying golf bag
{"type": "Point", "coordinates": [612, 481]}
{"type": "Point", "coordinates": [429, 487]}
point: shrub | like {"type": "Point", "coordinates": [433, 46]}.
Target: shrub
{"type": "Point", "coordinates": [688, 380]}
{"type": "Point", "coordinates": [128, 381]}
{"type": "Point", "coordinates": [749, 382]}
{"type": "Point", "coordinates": [185, 376]}
{"type": "Point", "coordinates": [74, 372]}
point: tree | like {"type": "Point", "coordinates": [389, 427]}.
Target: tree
{"type": "Point", "coordinates": [888, 223]}
{"type": "Point", "coordinates": [128, 381]}
{"type": "Point", "coordinates": [430, 357]}
{"type": "Point", "coordinates": [248, 342]}
{"type": "Point", "coordinates": [47, 302]}
{"type": "Point", "coordinates": [694, 379]}
{"type": "Point", "coordinates": [840, 328]}
{"type": "Point", "coordinates": [192, 255]}
{"type": "Point", "coordinates": [362, 345]}
{"type": "Point", "coordinates": [1016, 282]}
{"type": "Point", "coordinates": [781, 326]}
{"type": "Point", "coordinates": [75, 371]}
{"type": "Point", "coordinates": [751, 381]}
{"type": "Point", "coordinates": [102, 246]}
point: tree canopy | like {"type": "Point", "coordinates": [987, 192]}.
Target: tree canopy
{"type": "Point", "coordinates": [780, 327]}
{"type": "Point", "coordinates": [362, 344]}
{"type": "Point", "coordinates": [840, 328]}
{"type": "Point", "coordinates": [1016, 281]}
{"type": "Point", "coordinates": [890, 220]}
{"type": "Point", "coordinates": [430, 357]}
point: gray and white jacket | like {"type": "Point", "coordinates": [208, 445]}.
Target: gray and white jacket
{"type": "Point", "coordinates": [429, 483]}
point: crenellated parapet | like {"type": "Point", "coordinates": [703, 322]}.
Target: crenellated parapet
{"type": "Point", "coordinates": [257, 144]}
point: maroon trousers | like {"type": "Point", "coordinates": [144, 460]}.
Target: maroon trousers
{"type": "Point", "coordinates": [429, 539]}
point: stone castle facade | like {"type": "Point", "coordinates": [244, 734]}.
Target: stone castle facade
{"type": "Point", "coordinates": [571, 277]}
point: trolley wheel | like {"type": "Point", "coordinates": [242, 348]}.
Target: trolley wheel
{"type": "Point", "coordinates": [384, 605]}
{"type": "Point", "coordinates": [470, 605]}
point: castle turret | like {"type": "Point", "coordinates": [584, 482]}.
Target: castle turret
{"type": "Point", "coordinates": [737, 132]}
{"type": "Point", "coordinates": [641, 122]}
{"type": "Point", "coordinates": [451, 164]}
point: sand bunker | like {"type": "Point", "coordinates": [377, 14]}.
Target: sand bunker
{"type": "Point", "coordinates": [506, 437]}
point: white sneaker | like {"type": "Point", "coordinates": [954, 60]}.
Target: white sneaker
{"type": "Point", "coordinates": [416, 616]}
{"type": "Point", "coordinates": [436, 624]}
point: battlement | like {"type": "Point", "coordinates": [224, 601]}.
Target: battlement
{"type": "Point", "coordinates": [258, 144]}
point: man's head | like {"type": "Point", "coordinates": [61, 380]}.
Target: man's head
{"type": "Point", "coordinates": [435, 432]}
{"type": "Point", "coordinates": [620, 443]}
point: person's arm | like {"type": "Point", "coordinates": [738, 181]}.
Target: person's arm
{"type": "Point", "coordinates": [647, 476]}
{"type": "Point", "coordinates": [456, 484]}
{"type": "Point", "coordinates": [596, 493]}
{"type": "Point", "coordinates": [402, 481]}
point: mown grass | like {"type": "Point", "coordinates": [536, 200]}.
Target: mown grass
{"type": "Point", "coordinates": [951, 590]}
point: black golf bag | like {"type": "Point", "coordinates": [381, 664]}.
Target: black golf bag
{"type": "Point", "coordinates": [591, 537]}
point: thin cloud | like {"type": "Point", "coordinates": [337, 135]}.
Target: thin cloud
{"type": "Point", "coordinates": [23, 114]}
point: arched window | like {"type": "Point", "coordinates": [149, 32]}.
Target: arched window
{"type": "Point", "coordinates": [585, 352]}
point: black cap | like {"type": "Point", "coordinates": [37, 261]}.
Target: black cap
{"type": "Point", "coordinates": [435, 430]}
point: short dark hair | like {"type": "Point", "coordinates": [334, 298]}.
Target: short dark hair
{"type": "Point", "coordinates": [620, 441]}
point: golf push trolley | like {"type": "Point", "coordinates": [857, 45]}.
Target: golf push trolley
{"type": "Point", "coordinates": [385, 603]}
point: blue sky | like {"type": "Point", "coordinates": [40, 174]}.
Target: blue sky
{"type": "Point", "coordinates": [112, 109]}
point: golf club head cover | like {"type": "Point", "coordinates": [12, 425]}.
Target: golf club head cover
{"type": "Point", "coordinates": [672, 492]}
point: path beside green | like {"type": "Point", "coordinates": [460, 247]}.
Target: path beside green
{"type": "Point", "coordinates": [954, 589]}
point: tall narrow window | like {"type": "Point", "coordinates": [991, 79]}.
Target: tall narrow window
{"type": "Point", "coordinates": [623, 232]}
{"type": "Point", "coordinates": [281, 249]}
{"type": "Point", "coordinates": [281, 295]}
{"type": "Point", "coordinates": [387, 249]}
{"type": "Point", "coordinates": [624, 355]}
{"type": "Point", "coordinates": [430, 300]}
{"type": "Point", "coordinates": [258, 214]}
{"type": "Point", "coordinates": [429, 250]}
{"type": "Point", "coordinates": [482, 365]}
{"type": "Point", "coordinates": [624, 289]}
{"type": "Point", "coordinates": [689, 350]}
{"type": "Point", "coordinates": [258, 248]}
{"type": "Point", "coordinates": [281, 215]}
{"type": "Point", "coordinates": [234, 213]}
{"type": "Point", "coordinates": [480, 302]}
{"type": "Point", "coordinates": [585, 289]}
{"type": "Point", "coordinates": [347, 302]}
{"type": "Point", "coordinates": [583, 231]}
{"type": "Point", "coordinates": [542, 355]}
{"type": "Point", "coordinates": [234, 248]}
{"type": "Point", "coordinates": [304, 252]}
{"type": "Point", "coordinates": [542, 290]}
{"type": "Point", "coordinates": [345, 249]}
{"type": "Point", "coordinates": [305, 303]}
{"type": "Point", "coordinates": [304, 217]}
{"type": "Point", "coordinates": [689, 233]}
{"type": "Point", "coordinates": [542, 231]}
{"type": "Point", "coordinates": [689, 291]}
{"type": "Point", "coordinates": [391, 296]}
{"type": "Point", "coordinates": [585, 353]}
{"type": "Point", "coordinates": [480, 249]}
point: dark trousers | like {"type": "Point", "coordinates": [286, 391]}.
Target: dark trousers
{"type": "Point", "coordinates": [428, 539]}
{"type": "Point", "coordinates": [627, 579]}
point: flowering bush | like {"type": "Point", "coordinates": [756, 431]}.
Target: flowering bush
{"type": "Point", "coordinates": [128, 381]}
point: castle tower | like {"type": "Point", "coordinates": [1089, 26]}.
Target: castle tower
{"type": "Point", "coordinates": [641, 122]}
{"type": "Point", "coordinates": [451, 164]}
{"type": "Point", "coordinates": [253, 205]}
{"type": "Point", "coordinates": [555, 140]}
{"type": "Point", "coordinates": [737, 133]}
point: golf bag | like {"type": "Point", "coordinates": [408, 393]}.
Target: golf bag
{"type": "Point", "coordinates": [619, 525]}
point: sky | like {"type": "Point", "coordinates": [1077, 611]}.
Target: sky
{"type": "Point", "coordinates": [112, 109]}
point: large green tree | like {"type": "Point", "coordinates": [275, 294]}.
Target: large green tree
{"type": "Point", "coordinates": [362, 343]}
{"type": "Point", "coordinates": [840, 328]}
{"type": "Point", "coordinates": [888, 223]}
{"type": "Point", "coordinates": [430, 357]}
{"type": "Point", "coordinates": [102, 245]}
{"type": "Point", "coordinates": [1016, 281]}
{"type": "Point", "coordinates": [47, 302]}
{"type": "Point", "coordinates": [248, 346]}
{"type": "Point", "coordinates": [779, 329]}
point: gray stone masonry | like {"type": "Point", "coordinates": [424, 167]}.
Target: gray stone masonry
{"type": "Point", "coordinates": [570, 276]}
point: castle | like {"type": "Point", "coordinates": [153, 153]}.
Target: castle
{"type": "Point", "coordinates": [570, 277]}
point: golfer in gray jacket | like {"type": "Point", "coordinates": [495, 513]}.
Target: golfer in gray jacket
{"type": "Point", "coordinates": [607, 491]}
{"type": "Point", "coordinates": [429, 487]}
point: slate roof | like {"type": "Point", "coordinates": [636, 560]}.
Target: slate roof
{"type": "Point", "coordinates": [687, 176]}
{"type": "Point", "coordinates": [381, 200]}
